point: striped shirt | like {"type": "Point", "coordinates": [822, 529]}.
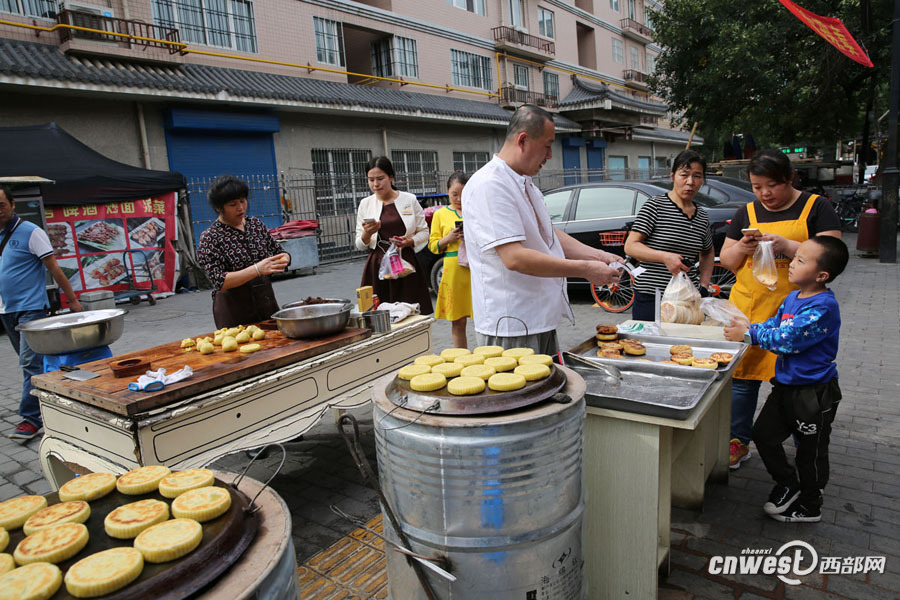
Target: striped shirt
{"type": "Point", "coordinates": [667, 228]}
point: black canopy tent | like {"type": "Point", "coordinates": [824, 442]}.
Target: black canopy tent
{"type": "Point", "coordinates": [81, 175]}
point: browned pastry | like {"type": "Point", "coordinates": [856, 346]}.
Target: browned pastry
{"type": "Point", "coordinates": [611, 346]}
{"type": "Point", "coordinates": [606, 332]}
{"type": "Point", "coordinates": [723, 358]}
{"type": "Point", "coordinates": [705, 363]}
{"type": "Point", "coordinates": [681, 349]}
{"type": "Point", "coordinates": [635, 349]}
{"type": "Point", "coordinates": [608, 353]}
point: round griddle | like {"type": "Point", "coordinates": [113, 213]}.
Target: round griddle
{"type": "Point", "coordinates": [489, 401]}
{"type": "Point", "coordinates": [224, 540]}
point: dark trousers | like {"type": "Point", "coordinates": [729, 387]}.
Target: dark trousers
{"type": "Point", "coordinates": [807, 411]}
{"type": "Point", "coordinates": [644, 307]}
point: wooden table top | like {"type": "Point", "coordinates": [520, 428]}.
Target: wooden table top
{"type": "Point", "coordinates": [210, 370]}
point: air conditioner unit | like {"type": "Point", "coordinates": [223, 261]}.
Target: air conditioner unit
{"type": "Point", "coordinates": [101, 11]}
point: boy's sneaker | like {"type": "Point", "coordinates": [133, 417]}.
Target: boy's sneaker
{"type": "Point", "coordinates": [799, 513]}
{"type": "Point", "coordinates": [25, 431]}
{"type": "Point", "coordinates": [780, 499]}
{"type": "Point", "coordinates": [738, 452]}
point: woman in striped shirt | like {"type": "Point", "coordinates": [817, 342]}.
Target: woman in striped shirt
{"type": "Point", "coordinates": [670, 235]}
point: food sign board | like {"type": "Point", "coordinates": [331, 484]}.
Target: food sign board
{"type": "Point", "coordinates": [102, 246]}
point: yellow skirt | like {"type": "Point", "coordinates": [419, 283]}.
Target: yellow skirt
{"type": "Point", "coordinates": [454, 299]}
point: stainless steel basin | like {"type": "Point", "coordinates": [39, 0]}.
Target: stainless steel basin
{"type": "Point", "coordinates": [74, 331]}
{"type": "Point", "coordinates": [313, 320]}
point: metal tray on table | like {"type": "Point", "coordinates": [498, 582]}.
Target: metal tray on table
{"type": "Point", "coordinates": [658, 350]}
{"type": "Point", "coordinates": [644, 388]}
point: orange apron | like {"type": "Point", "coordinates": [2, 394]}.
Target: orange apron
{"type": "Point", "coordinates": [759, 302]}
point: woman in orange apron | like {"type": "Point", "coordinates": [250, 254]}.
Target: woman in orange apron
{"type": "Point", "coordinates": [785, 216]}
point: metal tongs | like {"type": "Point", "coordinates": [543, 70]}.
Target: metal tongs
{"type": "Point", "coordinates": [611, 374]}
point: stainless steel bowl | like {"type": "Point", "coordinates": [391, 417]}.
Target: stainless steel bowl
{"type": "Point", "coordinates": [313, 320]}
{"type": "Point", "coordinates": [327, 301]}
{"type": "Point", "coordinates": [74, 331]}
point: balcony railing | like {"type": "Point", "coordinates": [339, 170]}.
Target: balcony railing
{"type": "Point", "coordinates": [510, 94]}
{"type": "Point", "coordinates": [635, 76]}
{"type": "Point", "coordinates": [508, 34]}
{"type": "Point", "coordinates": [632, 26]}
{"type": "Point", "coordinates": [131, 30]}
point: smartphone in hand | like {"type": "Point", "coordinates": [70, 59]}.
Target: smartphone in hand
{"type": "Point", "coordinates": [459, 225]}
{"type": "Point", "coordinates": [368, 220]}
{"type": "Point", "coordinates": [751, 231]}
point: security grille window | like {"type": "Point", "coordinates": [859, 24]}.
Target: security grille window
{"type": "Point", "coordinates": [31, 8]}
{"type": "Point", "coordinates": [521, 76]}
{"type": "Point", "coordinates": [635, 59]}
{"type": "Point", "coordinates": [473, 6]}
{"type": "Point", "coordinates": [329, 41]}
{"type": "Point", "coordinates": [545, 22]}
{"type": "Point", "coordinates": [470, 70]}
{"type": "Point", "coordinates": [395, 57]}
{"type": "Point", "coordinates": [551, 84]}
{"type": "Point", "coordinates": [223, 23]}
{"type": "Point", "coordinates": [417, 170]}
{"type": "Point", "coordinates": [614, 4]}
{"type": "Point", "coordinates": [469, 162]}
{"type": "Point", "coordinates": [618, 51]}
{"type": "Point", "coordinates": [516, 13]}
{"type": "Point", "coordinates": [340, 179]}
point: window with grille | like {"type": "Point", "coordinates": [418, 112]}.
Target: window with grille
{"type": "Point", "coordinates": [223, 23]}
{"type": "Point", "coordinates": [618, 51]}
{"type": "Point", "coordinates": [469, 162]}
{"type": "Point", "coordinates": [520, 76]}
{"type": "Point", "coordinates": [545, 22]}
{"type": "Point", "coordinates": [473, 6]}
{"type": "Point", "coordinates": [470, 70]}
{"type": "Point", "coordinates": [551, 84]}
{"type": "Point", "coordinates": [329, 41]}
{"type": "Point", "coordinates": [31, 8]}
{"type": "Point", "coordinates": [395, 56]}
{"type": "Point", "coordinates": [340, 179]}
{"type": "Point", "coordinates": [417, 171]}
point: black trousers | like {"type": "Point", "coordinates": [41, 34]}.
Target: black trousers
{"type": "Point", "coordinates": [644, 307]}
{"type": "Point", "coordinates": [807, 411]}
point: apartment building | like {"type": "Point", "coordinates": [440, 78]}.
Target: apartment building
{"type": "Point", "coordinates": [319, 86]}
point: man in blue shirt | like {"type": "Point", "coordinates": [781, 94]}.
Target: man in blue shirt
{"type": "Point", "coordinates": [25, 251]}
{"type": "Point", "coordinates": [805, 392]}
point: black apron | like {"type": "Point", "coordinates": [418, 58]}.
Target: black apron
{"type": "Point", "coordinates": [249, 303]}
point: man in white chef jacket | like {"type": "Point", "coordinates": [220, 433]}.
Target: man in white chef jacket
{"type": "Point", "coordinates": [518, 261]}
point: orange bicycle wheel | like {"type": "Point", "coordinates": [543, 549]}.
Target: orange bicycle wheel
{"type": "Point", "coordinates": [617, 297]}
{"type": "Point", "coordinates": [721, 281]}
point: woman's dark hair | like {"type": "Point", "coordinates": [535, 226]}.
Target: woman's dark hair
{"type": "Point", "coordinates": [457, 177]}
{"type": "Point", "coordinates": [834, 257]}
{"type": "Point", "coordinates": [224, 189]}
{"type": "Point", "coordinates": [686, 158]}
{"type": "Point", "coordinates": [7, 191]}
{"type": "Point", "coordinates": [773, 164]}
{"type": "Point", "coordinates": [383, 163]}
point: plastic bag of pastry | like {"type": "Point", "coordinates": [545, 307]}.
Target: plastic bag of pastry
{"type": "Point", "coordinates": [393, 266]}
{"type": "Point", "coordinates": [681, 302]}
{"type": "Point", "coordinates": [722, 311]}
{"type": "Point", "coordinates": [681, 289]}
{"type": "Point", "coordinates": [764, 269]}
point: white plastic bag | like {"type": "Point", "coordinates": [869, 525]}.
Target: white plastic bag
{"type": "Point", "coordinates": [393, 266]}
{"type": "Point", "coordinates": [722, 311]}
{"type": "Point", "coordinates": [681, 302]}
{"type": "Point", "coordinates": [764, 269]}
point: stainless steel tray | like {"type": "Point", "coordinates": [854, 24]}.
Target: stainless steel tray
{"type": "Point", "coordinates": [658, 350]}
{"type": "Point", "coordinates": [645, 388]}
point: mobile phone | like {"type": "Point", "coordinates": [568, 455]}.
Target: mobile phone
{"type": "Point", "coordinates": [368, 220]}
{"type": "Point", "coordinates": [751, 231]}
{"type": "Point", "coordinates": [459, 224]}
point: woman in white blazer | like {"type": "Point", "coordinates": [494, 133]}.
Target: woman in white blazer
{"type": "Point", "coordinates": [391, 216]}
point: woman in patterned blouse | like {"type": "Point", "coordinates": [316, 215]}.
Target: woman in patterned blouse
{"type": "Point", "coordinates": [238, 254]}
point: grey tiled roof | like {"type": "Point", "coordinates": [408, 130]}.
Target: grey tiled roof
{"type": "Point", "coordinates": [589, 92]}
{"type": "Point", "coordinates": [26, 59]}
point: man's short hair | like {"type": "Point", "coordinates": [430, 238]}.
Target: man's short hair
{"type": "Point", "coordinates": [528, 118]}
{"type": "Point", "coordinates": [7, 191]}
{"type": "Point", "coordinates": [834, 257]}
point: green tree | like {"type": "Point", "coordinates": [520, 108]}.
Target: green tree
{"type": "Point", "coordinates": [754, 67]}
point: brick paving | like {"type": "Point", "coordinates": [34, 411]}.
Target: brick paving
{"type": "Point", "coordinates": [861, 515]}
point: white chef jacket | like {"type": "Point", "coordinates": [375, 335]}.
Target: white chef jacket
{"type": "Point", "coordinates": [502, 206]}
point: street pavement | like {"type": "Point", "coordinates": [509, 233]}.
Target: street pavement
{"type": "Point", "coordinates": [861, 514]}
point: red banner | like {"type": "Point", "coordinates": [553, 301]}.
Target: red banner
{"type": "Point", "coordinates": [120, 246]}
{"type": "Point", "coordinates": [832, 30]}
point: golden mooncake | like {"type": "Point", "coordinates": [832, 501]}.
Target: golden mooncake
{"type": "Point", "coordinates": [54, 544]}
{"type": "Point", "coordinates": [177, 483]}
{"type": "Point", "coordinates": [38, 581]}
{"type": "Point", "coordinates": [104, 572]}
{"type": "Point", "coordinates": [128, 520]}
{"type": "Point", "coordinates": [203, 504]}
{"type": "Point", "coordinates": [14, 512]}
{"type": "Point", "coordinates": [142, 480]}
{"type": "Point", "coordinates": [87, 487]}
{"type": "Point", "coordinates": [169, 540]}
{"type": "Point", "coordinates": [76, 511]}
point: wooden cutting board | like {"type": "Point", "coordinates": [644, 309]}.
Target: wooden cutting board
{"type": "Point", "coordinates": [210, 370]}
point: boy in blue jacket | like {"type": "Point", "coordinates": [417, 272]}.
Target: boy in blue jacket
{"type": "Point", "coordinates": [805, 392]}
